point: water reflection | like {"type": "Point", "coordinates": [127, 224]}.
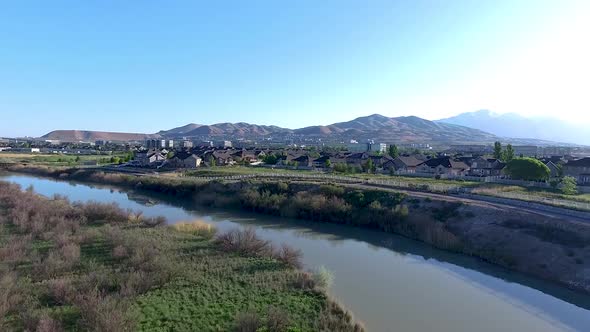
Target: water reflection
{"type": "Point", "coordinates": [390, 282]}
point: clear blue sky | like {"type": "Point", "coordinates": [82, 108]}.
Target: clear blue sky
{"type": "Point", "coordinates": [142, 66]}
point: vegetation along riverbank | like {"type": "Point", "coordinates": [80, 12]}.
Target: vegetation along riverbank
{"type": "Point", "coordinates": [548, 247]}
{"type": "Point", "coordinates": [90, 266]}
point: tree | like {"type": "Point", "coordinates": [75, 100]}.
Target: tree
{"type": "Point", "coordinates": [369, 166]}
{"type": "Point", "coordinates": [508, 154]}
{"type": "Point", "coordinates": [271, 159]}
{"type": "Point", "coordinates": [527, 169]}
{"type": "Point", "coordinates": [569, 185]}
{"type": "Point", "coordinates": [328, 163]}
{"type": "Point", "coordinates": [497, 150]}
{"type": "Point", "coordinates": [393, 151]}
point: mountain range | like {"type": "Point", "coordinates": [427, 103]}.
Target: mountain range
{"type": "Point", "coordinates": [377, 127]}
{"type": "Point", "coordinates": [91, 136]}
{"type": "Point", "coordinates": [463, 129]}
{"type": "Point", "coordinates": [515, 125]}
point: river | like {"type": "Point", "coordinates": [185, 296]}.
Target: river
{"type": "Point", "coordinates": [389, 282]}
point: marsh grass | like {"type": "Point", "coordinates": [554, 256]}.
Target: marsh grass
{"type": "Point", "coordinates": [96, 267]}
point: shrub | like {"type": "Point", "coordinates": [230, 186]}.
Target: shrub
{"type": "Point", "coordinates": [60, 291]}
{"type": "Point", "coordinates": [103, 313]}
{"type": "Point", "coordinates": [10, 297]}
{"type": "Point", "coordinates": [528, 169]}
{"type": "Point", "coordinates": [120, 252]}
{"type": "Point", "coordinates": [243, 241]}
{"type": "Point", "coordinates": [48, 324]}
{"type": "Point", "coordinates": [304, 280]}
{"type": "Point", "coordinates": [248, 321]}
{"type": "Point", "coordinates": [70, 253]}
{"type": "Point", "coordinates": [332, 190]}
{"type": "Point", "coordinates": [96, 212]}
{"type": "Point", "coordinates": [289, 256]}
{"type": "Point", "coordinates": [16, 250]}
{"type": "Point", "coordinates": [334, 318]}
{"type": "Point", "coordinates": [446, 211]}
{"type": "Point", "coordinates": [569, 186]}
{"type": "Point", "coordinates": [323, 278]}
{"type": "Point", "coordinates": [277, 320]}
{"type": "Point", "coordinates": [154, 221]}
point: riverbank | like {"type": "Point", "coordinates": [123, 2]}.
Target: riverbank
{"type": "Point", "coordinates": [550, 248]}
{"type": "Point", "coordinates": [94, 266]}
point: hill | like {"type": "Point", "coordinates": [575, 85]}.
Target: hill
{"type": "Point", "coordinates": [376, 127]}
{"type": "Point", "coordinates": [91, 136]}
{"type": "Point", "coordinates": [399, 129]}
{"type": "Point", "coordinates": [463, 129]}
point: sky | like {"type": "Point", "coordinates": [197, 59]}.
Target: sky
{"type": "Point", "coordinates": [144, 66]}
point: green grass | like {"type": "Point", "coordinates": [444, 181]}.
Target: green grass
{"type": "Point", "coordinates": [216, 286]}
{"type": "Point", "coordinates": [209, 288]}
{"type": "Point", "coordinates": [54, 159]}
{"type": "Point", "coordinates": [242, 170]}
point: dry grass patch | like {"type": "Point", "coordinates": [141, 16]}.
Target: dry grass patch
{"type": "Point", "coordinates": [196, 227]}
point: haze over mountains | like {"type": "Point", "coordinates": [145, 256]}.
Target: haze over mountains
{"type": "Point", "coordinates": [518, 126]}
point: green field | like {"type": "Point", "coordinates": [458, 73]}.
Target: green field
{"type": "Point", "coordinates": [58, 159]}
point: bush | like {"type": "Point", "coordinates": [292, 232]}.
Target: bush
{"type": "Point", "coordinates": [48, 324]}
{"type": "Point", "coordinates": [332, 190]}
{"type": "Point", "coordinates": [96, 212]}
{"type": "Point", "coordinates": [303, 280]}
{"type": "Point", "coordinates": [277, 320]}
{"type": "Point", "coordinates": [244, 242]}
{"type": "Point", "coordinates": [120, 252]}
{"type": "Point", "coordinates": [527, 169]}
{"type": "Point", "coordinates": [289, 256]}
{"type": "Point", "coordinates": [154, 221]}
{"type": "Point", "coordinates": [323, 278]}
{"type": "Point", "coordinates": [100, 312]}
{"type": "Point", "coordinates": [248, 321]}
{"type": "Point", "coordinates": [61, 291]}
{"type": "Point", "coordinates": [569, 186]}
{"type": "Point", "coordinates": [16, 250]}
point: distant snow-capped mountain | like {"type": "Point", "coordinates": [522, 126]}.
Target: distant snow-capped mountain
{"type": "Point", "coordinates": [518, 126]}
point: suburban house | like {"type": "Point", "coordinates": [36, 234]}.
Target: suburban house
{"type": "Point", "coordinates": [149, 157]}
{"type": "Point", "coordinates": [403, 163]}
{"type": "Point", "coordinates": [185, 160]}
{"type": "Point", "coordinates": [221, 157]}
{"type": "Point", "coordinates": [380, 160]}
{"type": "Point", "coordinates": [481, 166]}
{"type": "Point", "coordinates": [320, 162]}
{"type": "Point", "coordinates": [357, 159]}
{"type": "Point", "coordinates": [443, 165]}
{"type": "Point", "coordinates": [246, 156]}
{"type": "Point", "coordinates": [555, 169]}
{"type": "Point", "coordinates": [302, 161]}
{"type": "Point", "coordinates": [579, 169]}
